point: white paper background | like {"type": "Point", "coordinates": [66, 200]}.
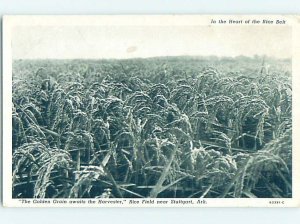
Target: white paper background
{"type": "Point", "coordinates": [139, 215]}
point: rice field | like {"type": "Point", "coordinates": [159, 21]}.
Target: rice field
{"type": "Point", "coordinates": [170, 127]}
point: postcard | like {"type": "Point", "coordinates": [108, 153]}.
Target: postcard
{"type": "Point", "coordinates": [151, 111]}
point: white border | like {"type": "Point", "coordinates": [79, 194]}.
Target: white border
{"type": "Point", "coordinates": [166, 20]}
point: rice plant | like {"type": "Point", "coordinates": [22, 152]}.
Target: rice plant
{"type": "Point", "coordinates": [158, 127]}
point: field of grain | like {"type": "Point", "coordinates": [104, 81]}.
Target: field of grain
{"type": "Point", "coordinates": [170, 127]}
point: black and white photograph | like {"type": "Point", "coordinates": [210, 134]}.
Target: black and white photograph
{"type": "Point", "coordinates": [150, 111]}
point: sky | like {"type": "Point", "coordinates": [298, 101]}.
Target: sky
{"type": "Point", "coordinates": [119, 42]}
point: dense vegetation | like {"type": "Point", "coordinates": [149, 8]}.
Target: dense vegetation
{"type": "Point", "coordinates": [158, 127]}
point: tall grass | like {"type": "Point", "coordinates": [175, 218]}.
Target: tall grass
{"type": "Point", "coordinates": [139, 128]}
